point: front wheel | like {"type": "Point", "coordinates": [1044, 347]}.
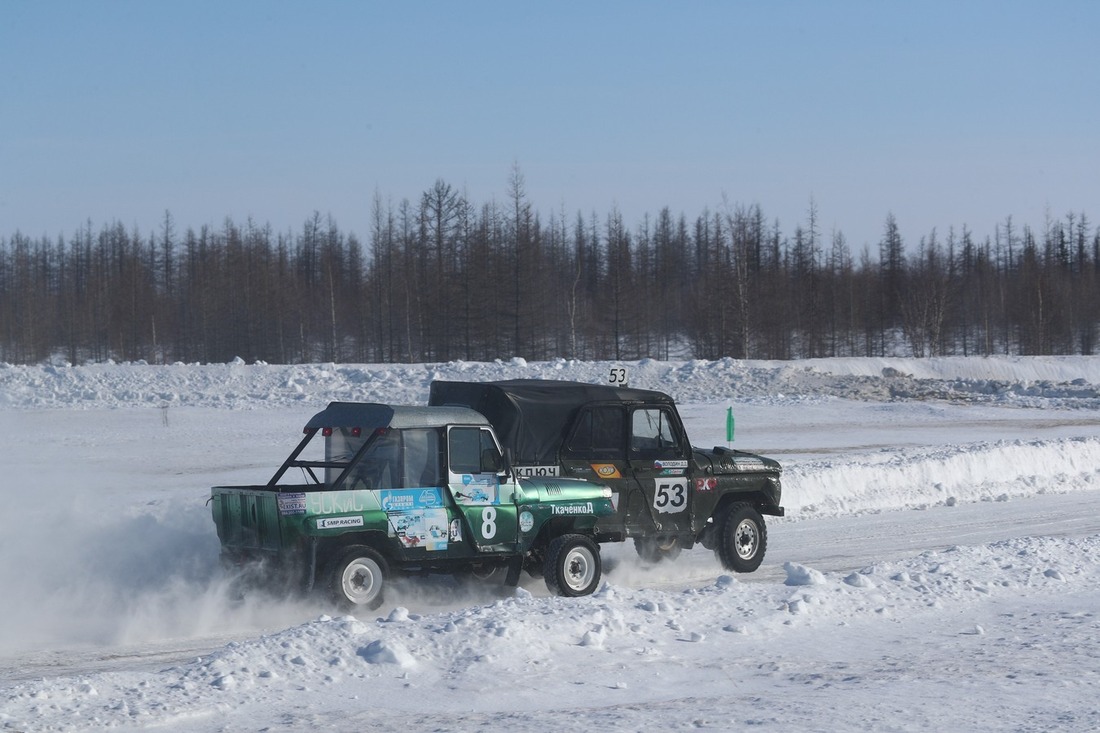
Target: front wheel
{"type": "Point", "coordinates": [356, 578]}
{"type": "Point", "coordinates": [742, 539]}
{"type": "Point", "coordinates": [572, 567]}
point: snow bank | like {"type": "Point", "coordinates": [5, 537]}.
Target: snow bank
{"type": "Point", "coordinates": [1022, 381]}
{"type": "Point", "coordinates": [1013, 369]}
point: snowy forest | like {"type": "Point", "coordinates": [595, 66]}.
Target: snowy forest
{"type": "Point", "coordinates": [445, 278]}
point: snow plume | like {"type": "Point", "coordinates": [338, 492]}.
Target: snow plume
{"type": "Point", "coordinates": [85, 570]}
{"type": "Point", "coordinates": [151, 573]}
{"type": "Point", "coordinates": [110, 527]}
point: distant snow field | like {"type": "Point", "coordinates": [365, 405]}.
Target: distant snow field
{"type": "Point", "coordinates": [939, 567]}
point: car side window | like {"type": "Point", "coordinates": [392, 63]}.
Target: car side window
{"type": "Point", "coordinates": [380, 466]}
{"type": "Point", "coordinates": [490, 455]}
{"type": "Point", "coordinates": [472, 450]}
{"type": "Point", "coordinates": [340, 448]}
{"type": "Point", "coordinates": [599, 432]}
{"type": "Point", "coordinates": [422, 457]}
{"type": "Point", "coordinates": [464, 450]}
{"type": "Point", "coordinates": [652, 434]}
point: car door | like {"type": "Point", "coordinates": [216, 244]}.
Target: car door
{"type": "Point", "coordinates": [595, 449]}
{"type": "Point", "coordinates": [658, 458]}
{"type": "Point", "coordinates": [484, 496]}
{"type": "Point", "coordinates": [406, 471]}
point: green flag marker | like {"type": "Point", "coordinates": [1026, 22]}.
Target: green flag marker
{"type": "Point", "coordinates": [729, 424]}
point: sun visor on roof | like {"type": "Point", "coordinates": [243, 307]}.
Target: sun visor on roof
{"type": "Point", "coordinates": [352, 415]}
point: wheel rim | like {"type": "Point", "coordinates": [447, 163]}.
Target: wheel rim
{"type": "Point", "coordinates": [579, 568]}
{"type": "Point", "coordinates": [361, 581]}
{"type": "Point", "coordinates": [746, 539]}
{"type": "Point", "coordinates": [665, 544]}
{"type": "Point", "coordinates": [484, 572]}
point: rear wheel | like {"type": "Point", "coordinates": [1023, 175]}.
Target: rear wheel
{"type": "Point", "coordinates": [488, 573]}
{"type": "Point", "coordinates": [656, 549]}
{"type": "Point", "coordinates": [742, 539]}
{"type": "Point", "coordinates": [356, 578]}
{"type": "Point", "coordinates": [572, 566]}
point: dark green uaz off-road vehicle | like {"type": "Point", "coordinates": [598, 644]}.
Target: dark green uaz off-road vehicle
{"type": "Point", "coordinates": [391, 489]}
{"type": "Point", "coordinates": [667, 494]}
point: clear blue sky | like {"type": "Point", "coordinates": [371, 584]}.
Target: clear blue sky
{"type": "Point", "coordinates": [945, 113]}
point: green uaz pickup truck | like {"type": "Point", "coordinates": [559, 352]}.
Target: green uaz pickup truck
{"type": "Point", "coordinates": [394, 489]}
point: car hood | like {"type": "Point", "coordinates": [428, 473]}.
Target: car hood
{"type": "Point", "coordinates": [722, 460]}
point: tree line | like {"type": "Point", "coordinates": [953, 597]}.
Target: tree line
{"type": "Point", "coordinates": [444, 278]}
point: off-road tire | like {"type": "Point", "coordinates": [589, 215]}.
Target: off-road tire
{"type": "Point", "coordinates": [657, 549]}
{"type": "Point", "coordinates": [572, 567]}
{"type": "Point", "coordinates": [742, 539]}
{"type": "Point", "coordinates": [356, 578]}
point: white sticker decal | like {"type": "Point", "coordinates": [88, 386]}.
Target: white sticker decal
{"type": "Point", "coordinates": [339, 522]}
{"type": "Point", "coordinates": [426, 529]}
{"type": "Point", "coordinates": [573, 509]}
{"type": "Point", "coordinates": [290, 504]}
{"type": "Point", "coordinates": [476, 489]}
{"type": "Point", "coordinates": [529, 471]}
{"type": "Point", "coordinates": [526, 521]}
{"type": "Point", "coordinates": [670, 495]}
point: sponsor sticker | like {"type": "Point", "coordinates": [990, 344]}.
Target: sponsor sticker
{"type": "Point", "coordinates": [339, 522]}
{"type": "Point", "coordinates": [606, 470]}
{"type": "Point", "coordinates": [534, 471]}
{"type": "Point", "coordinates": [526, 521]}
{"type": "Point", "coordinates": [403, 500]}
{"type": "Point", "coordinates": [291, 504]}
{"type": "Point", "coordinates": [706, 484]}
{"type": "Point", "coordinates": [341, 502]}
{"type": "Point", "coordinates": [569, 509]}
{"type": "Point", "coordinates": [476, 490]}
{"type": "Point", "coordinates": [427, 529]}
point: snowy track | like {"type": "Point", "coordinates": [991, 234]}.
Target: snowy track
{"type": "Point", "coordinates": [938, 570]}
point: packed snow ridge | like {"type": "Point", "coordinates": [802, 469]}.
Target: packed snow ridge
{"type": "Point", "coordinates": [1020, 381]}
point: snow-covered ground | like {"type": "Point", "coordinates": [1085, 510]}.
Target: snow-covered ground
{"type": "Point", "coordinates": [938, 569]}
